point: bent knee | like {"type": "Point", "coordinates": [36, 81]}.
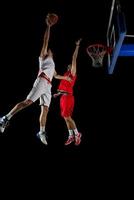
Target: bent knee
{"type": "Point", "coordinates": [67, 118]}
{"type": "Point", "coordinates": [45, 108]}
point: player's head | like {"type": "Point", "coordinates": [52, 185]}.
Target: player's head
{"type": "Point", "coordinates": [69, 67]}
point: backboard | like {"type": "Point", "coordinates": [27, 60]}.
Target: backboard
{"type": "Point", "coordinates": [117, 37]}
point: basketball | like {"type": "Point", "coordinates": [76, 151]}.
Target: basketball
{"type": "Point", "coordinates": [52, 18]}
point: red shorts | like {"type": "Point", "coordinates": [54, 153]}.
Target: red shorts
{"type": "Point", "coordinates": [66, 105]}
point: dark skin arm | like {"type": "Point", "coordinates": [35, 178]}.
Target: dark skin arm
{"type": "Point", "coordinates": [73, 67]}
{"type": "Point", "coordinates": [74, 58]}
{"type": "Point", "coordinates": [60, 77]}
{"type": "Point", "coordinates": [44, 49]}
{"type": "Point", "coordinates": [57, 76]}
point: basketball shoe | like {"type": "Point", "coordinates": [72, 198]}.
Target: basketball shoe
{"type": "Point", "coordinates": [78, 139]}
{"type": "Point", "coordinates": [4, 122]}
{"type": "Point", "coordinates": [42, 137]}
{"type": "Point", "coordinates": [69, 140]}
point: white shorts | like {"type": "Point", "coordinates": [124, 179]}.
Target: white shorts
{"type": "Point", "coordinates": [41, 89]}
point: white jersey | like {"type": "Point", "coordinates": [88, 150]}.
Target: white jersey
{"type": "Point", "coordinates": [47, 66]}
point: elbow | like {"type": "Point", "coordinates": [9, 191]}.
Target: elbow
{"type": "Point", "coordinates": [56, 76]}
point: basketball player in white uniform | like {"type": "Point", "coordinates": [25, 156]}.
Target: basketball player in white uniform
{"type": "Point", "coordinates": [41, 87]}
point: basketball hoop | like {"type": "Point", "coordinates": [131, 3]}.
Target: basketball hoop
{"type": "Point", "coordinates": [97, 53]}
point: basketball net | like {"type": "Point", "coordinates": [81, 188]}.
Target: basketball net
{"type": "Point", "coordinates": [96, 53]}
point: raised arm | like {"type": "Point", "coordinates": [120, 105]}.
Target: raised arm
{"type": "Point", "coordinates": [74, 58]}
{"type": "Point", "coordinates": [46, 38]}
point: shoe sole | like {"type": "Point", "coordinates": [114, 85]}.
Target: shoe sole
{"type": "Point", "coordinates": [69, 143]}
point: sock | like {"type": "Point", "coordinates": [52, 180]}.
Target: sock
{"type": "Point", "coordinates": [70, 132]}
{"type": "Point", "coordinates": [9, 116]}
{"type": "Point", "coordinates": [75, 131]}
{"type": "Point", "coordinates": [42, 129]}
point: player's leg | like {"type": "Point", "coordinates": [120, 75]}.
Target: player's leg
{"type": "Point", "coordinates": [42, 121]}
{"type": "Point", "coordinates": [34, 94]}
{"type": "Point", "coordinates": [4, 121]}
{"type": "Point", "coordinates": [18, 107]}
{"type": "Point", "coordinates": [67, 106]}
{"type": "Point", "coordinates": [65, 113]}
{"type": "Point", "coordinates": [72, 126]}
{"type": "Point", "coordinates": [45, 101]}
{"type": "Point", "coordinates": [43, 116]}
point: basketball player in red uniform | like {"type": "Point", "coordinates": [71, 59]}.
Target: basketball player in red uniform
{"type": "Point", "coordinates": [67, 101]}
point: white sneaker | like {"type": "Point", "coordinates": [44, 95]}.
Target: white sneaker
{"type": "Point", "coordinates": [42, 137]}
{"type": "Point", "coordinates": [2, 129]}
{"type": "Point", "coordinates": [4, 122]}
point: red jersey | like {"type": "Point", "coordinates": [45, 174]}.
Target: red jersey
{"type": "Point", "coordinates": [67, 86]}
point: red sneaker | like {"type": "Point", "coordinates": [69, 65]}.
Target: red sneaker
{"type": "Point", "coordinates": [78, 139]}
{"type": "Point", "coordinates": [69, 140]}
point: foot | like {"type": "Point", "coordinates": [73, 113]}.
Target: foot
{"type": "Point", "coordinates": [69, 140]}
{"type": "Point", "coordinates": [4, 122]}
{"type": "Point", "coordinates": [78, 139]}
{"type": "Point", "coordinates": [42, 137]}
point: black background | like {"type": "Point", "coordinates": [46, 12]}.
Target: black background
{"type": "Point", "coordinates": [104, 103]}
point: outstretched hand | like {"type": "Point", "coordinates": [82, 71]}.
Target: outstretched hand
{"type": "Point", "coordinates": [51, 19]}
{"type": "Point", "coordinates": [56, 95]}
{"type": "Point", "coordinates": [78, 42]}
{"type": "Point", "coordinates": [48, 22]}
